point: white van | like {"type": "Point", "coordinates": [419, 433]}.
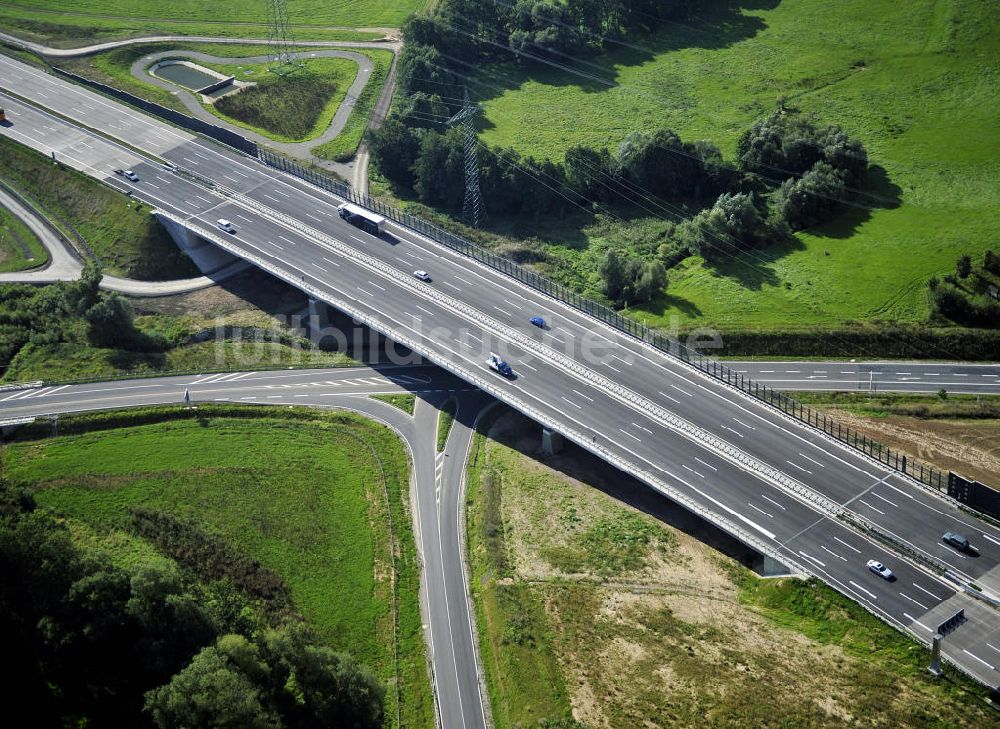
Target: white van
{"type": "Point", "coordinates": [226, 225]}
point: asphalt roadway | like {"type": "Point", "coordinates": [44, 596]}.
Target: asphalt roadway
{"type": "Point", "coordinates": [776, 484]}
{"type": "Point", "coordinates": [874, 377]}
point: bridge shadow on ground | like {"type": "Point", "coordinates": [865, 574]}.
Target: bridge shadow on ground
{"type": "Point", "coordinates": [524, 435]}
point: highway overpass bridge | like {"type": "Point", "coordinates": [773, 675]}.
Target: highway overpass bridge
{"type": "Point", "coordinates": [790, 491]}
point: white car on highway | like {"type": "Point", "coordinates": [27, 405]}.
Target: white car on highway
{"type": "Point", "coordinates": [131, 175]}
{"type": "Point", "coordinates": [226, 225]}
{"type": "Point", "coordinates": [880, 569]}
{"type": "Point", "coordinates": [422, 275]}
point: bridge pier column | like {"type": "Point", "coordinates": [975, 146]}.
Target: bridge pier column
{"type": "Point", "coordinates": [552, 442]}
{"type": "Point", "coordinates": [319, 315]}
{"type": "Point", "coordinates": [935, 667]}
{"type": "Point", "coordinates": [206, 256]}
{"type": "Point", "coordinates": [770, 567]}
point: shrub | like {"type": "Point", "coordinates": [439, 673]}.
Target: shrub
{"type": "Point", "coordinates": [211, 557]}
{"type": "Point", "coordinates": [991, 262]}
{"type": "Point", "coordinates": [290, 108]}
{"type": "Point", "coordinates": [813, 198]}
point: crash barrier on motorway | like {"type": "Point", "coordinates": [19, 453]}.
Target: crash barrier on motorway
{"type": "Point", "coordinates": [227, 137]}
{"type": "Point", "coordinates": [928, 475]}
{"type": "Point", "coordinates": [76, 240]}
{"type": "Point", "coordinates": [656, 482]}
{"type": "Point", "coordinates": [505, 396]}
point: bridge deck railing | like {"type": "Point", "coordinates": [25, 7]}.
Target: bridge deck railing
{"type": "Point", "coordinates": [925, 474]}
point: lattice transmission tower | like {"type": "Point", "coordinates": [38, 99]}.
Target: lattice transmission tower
{"type": "Point", "coordinates": [473, 209]}
{"type": "Point", "coordinates": [280, 42]}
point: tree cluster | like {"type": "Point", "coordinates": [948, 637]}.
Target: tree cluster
{"type": "Point", "coordinates": [532, 30]}
{"type": "Point", "coordinates": [432, 164]}
{"type": "Point", "coordinates": [968, 296]}
{"type": "Point", "coordinates": [64, 311]}
{"type": "Point", "coordinates": [734, 223]}
{"type": "Point", "coordinates": [417, 155]}
{"type": "Point", "coordinates": [89, 643]}
{"type": "Point", "coordinates": [630, 280]}
{"type": "Point", "coordinates": [951, 302]}
{"type": "Point", "coordinates": [821, 168]}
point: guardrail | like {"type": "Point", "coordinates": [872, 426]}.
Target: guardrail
{"type": "Point", "coordinates": [927, 475]}
{"type": "Point", "coordinates": [572, 434]}
{"type": "Point", "coordinates": [151, 374]}
{"type": "Point", "coordinates": [225, 136]}
{"type": "Point", "coordinates": [623, 394]}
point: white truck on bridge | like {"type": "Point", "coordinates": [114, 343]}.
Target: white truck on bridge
{"type": "Point", "coordinates": [364, 219]}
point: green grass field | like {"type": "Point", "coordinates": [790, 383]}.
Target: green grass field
{"type": "Point", "coordinates": [295, 109]}
{"type": "Point", "coordinates": [66, 23]}
{"type": "Point", "coordinates": [123, 235]}
{"type": "Point", "coordinates": [405, 403]}
{"type": "Point", "coordinates": [299, 491]}
{"type": "Point", "coordinates": [914, 81]}
{"type": "Point", "coordinates": [20, 249]}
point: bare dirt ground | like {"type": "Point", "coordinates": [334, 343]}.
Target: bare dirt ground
{"type": "Point", "coordinates": [669, 638]}
{"type": "Point", "coordinates": [970, 447]}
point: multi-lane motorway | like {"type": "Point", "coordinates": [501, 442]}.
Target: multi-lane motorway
{"type": "Point", "coordinates": [775, 483]}
{"type": "Point", "coordinates": [875, 377]}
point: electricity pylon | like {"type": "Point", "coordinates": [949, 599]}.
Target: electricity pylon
{"type": "Point", "coordinates": [472, 208]}
{"type": "Point", "coordinates": [279, 39]}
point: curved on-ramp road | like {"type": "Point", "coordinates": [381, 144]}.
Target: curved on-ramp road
{"type": "Point", "coordinates": [64, 265]}
{"type": "Point", "coordinates": [295, 149]}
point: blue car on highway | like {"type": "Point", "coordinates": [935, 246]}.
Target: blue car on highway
{"type": "Point", "coordinates": [538, 321]}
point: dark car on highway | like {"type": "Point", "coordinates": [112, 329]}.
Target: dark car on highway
{"type": "Point", "coordinates": [956, 540]}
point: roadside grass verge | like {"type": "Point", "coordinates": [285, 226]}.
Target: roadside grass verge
{"type": "Point", "coordinates": [345, 144]}
{"type": "Point", "coordinates": [515, 644]}
{"type": "Point", "coordinates": [236, 341]}
{"type": "Point", "coordinates": [74, 31]}
{"type": "Point", "coordinates": [67, 24]}
{"type": "Point", "coordinates": [405, 403]}
{"type": "Point", "coordinates": [20, 249]}
{"type": "Point", "coordinates": [306, 493]}
{"type": "Point", "coordinates": [123, 235]}
{"type": "Point", "coordinates": [293, 108]}
{"type": "Point", "coordinates": [72, 361]}
{"type": "Point", "coordinates": [928, 406]}
{"type": "Point", "coordinates": [675, 634]}
{"type": "Point", "coordinates": [446, 418]}
{"type": "Point", "coordinates": [907, 80]}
